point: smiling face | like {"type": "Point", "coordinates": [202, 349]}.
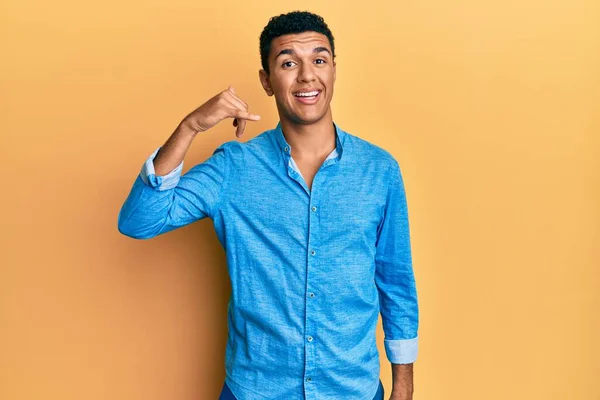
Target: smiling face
{"type": "Point", "coordinates": [301, 76]}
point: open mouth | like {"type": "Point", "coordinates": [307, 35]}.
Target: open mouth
{"type": "Point", "coordinates": [307, 97]}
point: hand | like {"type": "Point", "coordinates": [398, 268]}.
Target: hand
{"type": "Point", "coordinates": [402, 382]}
{"type": "Point", "coordinates": [223, 105]}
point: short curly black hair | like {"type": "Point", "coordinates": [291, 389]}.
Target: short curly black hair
{"type": "Point", "coordinates": [292, 22]}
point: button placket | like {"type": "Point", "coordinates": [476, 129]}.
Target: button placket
{"type": "Point", "coordinates": [312, 235]}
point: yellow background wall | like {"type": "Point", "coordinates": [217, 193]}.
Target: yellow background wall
{"type": "Point", "coordinates": [491, 108]}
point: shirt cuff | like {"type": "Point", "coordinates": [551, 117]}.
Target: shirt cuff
{"type": "Point", "coordinates": [165, 182]}
{"type": "Point", "coordinates": [402, 351]}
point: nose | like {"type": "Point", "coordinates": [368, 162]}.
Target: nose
{"type": "Point", "coordinates": [306, 73]}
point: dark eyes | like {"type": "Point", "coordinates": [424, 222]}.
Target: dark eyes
{"type": "Point", "coordinates": [285, 64]}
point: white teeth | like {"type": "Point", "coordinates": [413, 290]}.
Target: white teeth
{"type": "Point", "coordinates": [307, 94]}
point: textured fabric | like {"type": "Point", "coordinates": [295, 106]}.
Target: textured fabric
{"type": "Point", "coordinates": [226, 393]}
{"type": "Point", "coordinates": [310, 269]}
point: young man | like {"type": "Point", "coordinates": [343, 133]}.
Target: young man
{"type": "Point", "coordinates": [314, 224]}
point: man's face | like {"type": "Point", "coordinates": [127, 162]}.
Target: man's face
{"type": "Point", "coordinates": [302, 63]}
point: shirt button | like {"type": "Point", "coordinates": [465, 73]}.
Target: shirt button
{"type": "Point", "coordinates": [312, 295]}
{"type": "Point", "coordinates": [313, 252]}
{"type": "Point", "coordinates": [314, 208]}
{"type": "Point", "coordinates": [286, 148]}
{"type": "Point", "coordinates": [308, 379]}
{"type": "Point", "coordinates": [310, 338]}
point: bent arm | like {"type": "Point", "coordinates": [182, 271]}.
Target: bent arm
{"type": "Point", "coordinates": [158, 203]}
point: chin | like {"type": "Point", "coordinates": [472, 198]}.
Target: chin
{"type": "Point", "coordinates": [308, 120]}
{"type": "Point", "coordinates": [308, 117]}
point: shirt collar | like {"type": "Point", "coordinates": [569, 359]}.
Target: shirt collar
{"type": "Point", "coordinates": [285, 147]}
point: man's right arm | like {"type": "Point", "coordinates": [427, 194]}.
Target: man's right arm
{"type": "Point", "coordinates": [161, 199]}
{"type": "Point", "coordinates": [159, 203]}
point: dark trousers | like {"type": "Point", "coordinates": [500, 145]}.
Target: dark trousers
{"type": "Point", "coordinates": [227, 395]}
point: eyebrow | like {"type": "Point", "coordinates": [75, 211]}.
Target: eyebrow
{"type": "Point", "coordinates": [291, 52]}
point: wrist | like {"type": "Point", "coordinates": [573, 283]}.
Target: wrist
{"type": "Point", "coordinates": [185, 129]}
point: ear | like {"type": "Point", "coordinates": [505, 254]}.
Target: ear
{"type": "Point", "coordinates": [334, 69]}
{"type": "Point", "coordinates": [265, 82]}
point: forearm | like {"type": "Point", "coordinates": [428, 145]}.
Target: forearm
{"type": "Point", "coordinates": [146, 211]}
{"type": "Point", "coordinates": [402, 382]}
{"type": "Point", "coordinates": [172, 153]}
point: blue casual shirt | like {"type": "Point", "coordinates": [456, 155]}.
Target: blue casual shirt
{"type": "Point", "coordinates": [310, 268]}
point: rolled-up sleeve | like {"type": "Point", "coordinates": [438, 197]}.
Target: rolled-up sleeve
{"type": "Point", "coordinates": [165, 182]}
{"type": "Point", "coordinates": [159, 204]}
{"type": "Point", "coordinates": [394, 275]}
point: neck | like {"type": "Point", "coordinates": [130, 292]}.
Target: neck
{"type": "Point", "coordinates": [310, 141]}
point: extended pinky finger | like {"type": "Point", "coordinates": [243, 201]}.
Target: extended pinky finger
{"type": "Point", "coordinates": [240, 128]}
